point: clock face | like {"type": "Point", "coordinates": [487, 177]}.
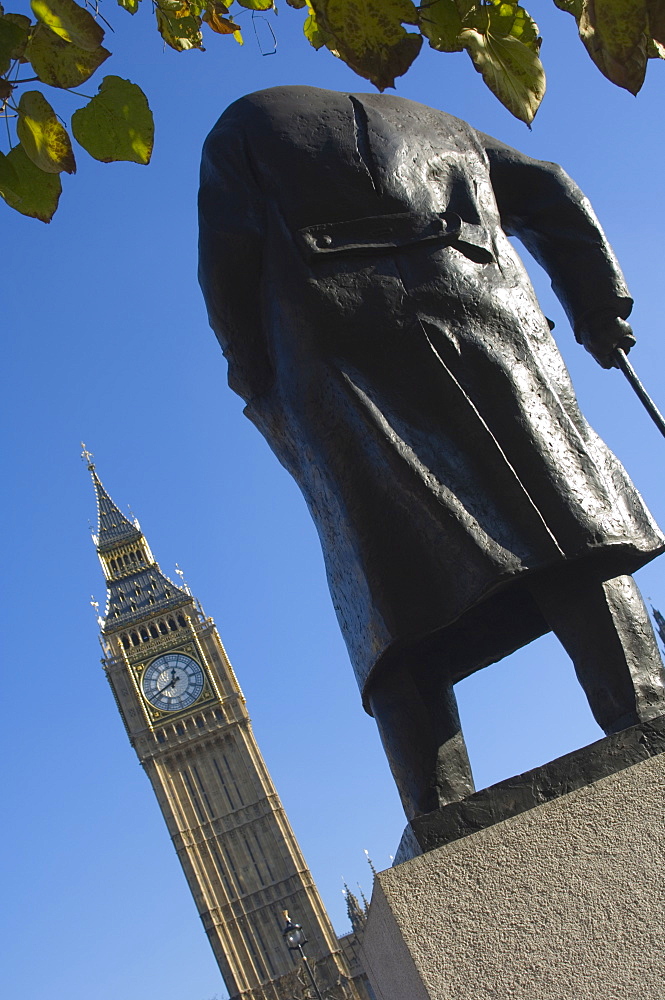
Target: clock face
{"type": "Point", "coordinates": [173, 682]}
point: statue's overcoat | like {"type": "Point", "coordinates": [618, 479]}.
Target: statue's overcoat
{"type": "Point", "coordinates": [357, 270]}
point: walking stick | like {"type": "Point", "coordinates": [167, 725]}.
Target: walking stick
{"type": "Point", "coordinates": [628, 370]}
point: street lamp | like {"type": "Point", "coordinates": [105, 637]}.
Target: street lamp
{"type": "Point", "coordinates": [294, 936]}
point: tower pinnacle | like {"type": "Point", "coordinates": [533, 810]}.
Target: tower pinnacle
{"type": "Point", "coordinates": [113, 528]}
{"type": "Point", "coordinates": [136, 585]}
{"type": "Point", "coordinates": [185, 716]}
{"type": "Point", "coordinates": [357, 915]}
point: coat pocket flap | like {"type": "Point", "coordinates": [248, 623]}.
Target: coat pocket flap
{"type": "Point", "coordinates": [475, 243]}
{"type": "Point", "coordinates": [387, 233]}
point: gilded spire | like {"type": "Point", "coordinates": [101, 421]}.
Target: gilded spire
{"type": "Point", "coordinates": [136, 587]}
{"type": "Point", "coordinates": [113, 528]}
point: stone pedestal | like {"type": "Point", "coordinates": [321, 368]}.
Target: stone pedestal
{"type": "Point", "coordinates": [562, 900]}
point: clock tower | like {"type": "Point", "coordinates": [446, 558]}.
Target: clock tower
{"type": "Point", "coordinates": [186, 718]}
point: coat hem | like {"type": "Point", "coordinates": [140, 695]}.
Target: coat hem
{"type": "Point", "coordinates": [502, 619]}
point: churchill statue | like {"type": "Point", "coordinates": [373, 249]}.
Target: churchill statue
{"type": "Point", "coordinates": [382, 329]}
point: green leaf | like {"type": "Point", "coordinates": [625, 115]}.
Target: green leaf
{"type": "Point", "coordinates": [507, 18]}
{"type": "Point", "coordinates": [178, 26]}
{"type": "Point", "coordinates": [25, 25]}
{"type": "Point", "coordinates": [60, 64]}
{"type": "Point", "coordinates": [13, 39]}
{"type": "Point", "coordinates": [441, 23]}
{"type": "Point", "coordinates": [131, 5]}
{"type": "Point", "coordinates": [503, 43]}
{"type": "Point", "coordinates": [368, 35]}
{"type": "Point", "coordinates": [573, 7]}
{"type": "Point", "coordinates": [117, 124]}
{"type": "Point", "coordinates": [9, 182]}
{"type": "Point", "coordinates": [38, 193]}
{"type": "Point", "coordinates": [257, 4]}
{"type": "Point", "coordinates": [614, 34]}
{"type": "Point", "coordinates": [70, 22]}
{"type": "Point", "coordinates": [656, 14]}
{"type": "Point", "coordinates": [42, 136]}
{"type": "Point", "coordinates": [620, 35]}
{"type": "Point", "coordinates": [314, 34]}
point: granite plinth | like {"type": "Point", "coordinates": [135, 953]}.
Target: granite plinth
{"type": "Point", "coordinates": [533, 788]}
{"type": "Point", "coordinates": [563, 899]}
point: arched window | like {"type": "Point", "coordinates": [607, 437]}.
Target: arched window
{"type": "Point", "coordinates": [144, 635]}
{"type": "Point", "coordinates": [199, 722]}
{"type": "Point", "coordinates": [172, 625]}
{"type": "Point", "coordinates": [135, 639]}
{"type": "Point", "coordinates": [180, 729]}
{"type": "Point", "coordinates": [181, 622]}
{"type": "Point", "coordinates": [162, 627]}
{"type": "Point", "coordinates": [124, 639]}
{"type": "Point", "coordinates": [161, 737]}
{"type": "Point", "coordinates": [153, 632]}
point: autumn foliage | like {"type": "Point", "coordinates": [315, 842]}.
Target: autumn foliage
{"type": "Point", "coordinates": [61, 48]}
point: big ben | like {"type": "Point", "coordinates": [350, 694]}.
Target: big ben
{"type": "Point", "coordinates": [186, 718]}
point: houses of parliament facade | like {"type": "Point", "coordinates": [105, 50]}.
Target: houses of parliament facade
{"type": "Point", "coordinates": [186, 718]}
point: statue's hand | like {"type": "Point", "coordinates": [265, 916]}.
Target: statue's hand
{"type": "Point", "coordinates": [601, 333]}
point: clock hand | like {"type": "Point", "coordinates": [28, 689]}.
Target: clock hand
{"type": "Point", "coordinates": [174, 680]}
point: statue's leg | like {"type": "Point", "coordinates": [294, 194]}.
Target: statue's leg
{"type": "Point", "coordinates": [421, 734]}
{"type": "Point", "coordinates": [605, 628]}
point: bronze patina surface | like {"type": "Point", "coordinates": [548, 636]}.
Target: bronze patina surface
{"type": "Point", "coordinates": [383, 331]}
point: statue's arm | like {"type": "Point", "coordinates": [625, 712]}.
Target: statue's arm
{"type": "Point", "coordinates": [545, 209]}
{"type": "Point", "coordinates": [230, 256]}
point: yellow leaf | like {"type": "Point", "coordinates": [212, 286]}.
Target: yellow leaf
{"type": "Point", "coordinates": [178, 26]}
{"type": "Point", "coordinates": [70, 22]}
{"type": "Point", "coordinates": [42, 136]}
{"type": "Point", "coordinates": [368, 35]}
{"type": "Point", "coordinates": [216, 17]}
{"type": "Point", "coordinates": [59, 63]}
{"type": "Point", "coordinates": [509, 65]}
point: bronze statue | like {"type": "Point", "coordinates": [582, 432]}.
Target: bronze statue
{"type": "Point", "coordinates": [383, 331]}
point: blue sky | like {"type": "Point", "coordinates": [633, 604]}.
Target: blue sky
{"type": "Point", "coordinates": [108, 343]}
